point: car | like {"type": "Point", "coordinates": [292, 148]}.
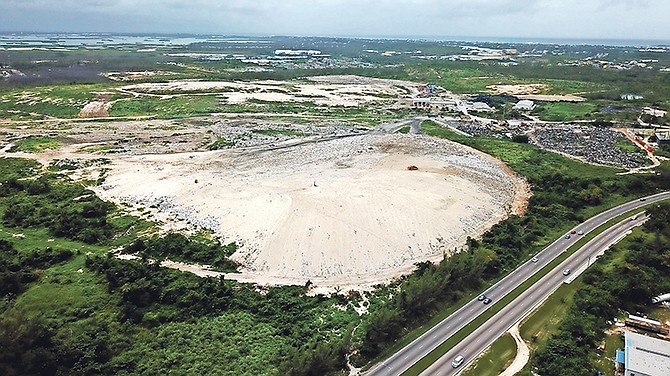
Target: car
{"type": "Point", "coordinates": [566, 272]}
{"type": "Point", "coordinates": [573, 232]}
{"type": "Point", "coordinates": [457, 361]}
{"type": "Point", "coordinates": [487, 300]}
{"type": "Point", "coordinates": [580, 232]}
{"type": "Point", "coordinates": [534, 259]}
{"type": "Point", "coordinates": [567, 236]}
{"type": "Point", "coordinates": [481, 297]}
{"type": "Point", "coordinates": [643, 199]}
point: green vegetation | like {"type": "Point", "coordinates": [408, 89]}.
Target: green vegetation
{"type": "Point", "coordinates": [176, 107]}
{"type": "Point", "coordinates": [59, 101]}
{"type": "Point", "coordinates": [543, 323]}
{"type": "Point", "coordinates": [536, 329]}
{"type": "Point", "coordinates": [564, 191]}
{"type": "Point", "coordinates": [627, 146]}
{"type": "Point", "coordinates": [221, 143]}
{"type": "Point", "coordinates": [624, 279]}
{"type": "Point", "coordinates": [177, 247]}
{"type": "Point", "coordinates": [66, 210]}
{"type": "Point", "coordinates": [496, 358]}
{"type": "Point", "coordinates": [565, 111]}
{"type": "Point", "coordinates": [67, 307]}
{"type": "Point", "coordinates": [35, 144]}
{"type": "Point", "coordinates": [70, 307]}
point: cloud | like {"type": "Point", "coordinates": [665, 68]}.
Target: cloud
{"type": "Point", "coordinates": [541, 18]}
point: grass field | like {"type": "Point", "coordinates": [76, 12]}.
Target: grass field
{"type": "Point", "coordinates": [35, 144]}
{"type": "Point", "coordinates": [178, 107]}
{"type": "Point", "coordinates": [541, 324]}
{"type": "Point", "coordinates": [495, 359]}
{"type": "Point", "coordinates": [564, 111]}
{"type": "Point", "coordinates": [61, 101]}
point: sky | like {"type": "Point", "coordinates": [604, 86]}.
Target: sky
{"type": "Point", "coordinates": [578, 19]}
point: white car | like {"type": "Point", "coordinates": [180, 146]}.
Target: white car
{"type": "Point", "coordinates": [566, 272]}
{"type": "Point", "coordinates": [457, 361]}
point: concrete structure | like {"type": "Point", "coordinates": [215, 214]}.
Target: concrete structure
{"type": "Point", "coordinates": [660, 298]}
{"type": "Point", "coordinates": [524, 105]}
{"type": "Point", "coordinates": [630, 97]}
{"type": "Point", "coordinates": [297, 52]}
{"type": "Point", "coordinates": [480, 107]}
{"type": "Point", "coordinates": [644, 356]}
{"type": "Point", "coordinates": [646, 324]}
{"type": "Point", "coordinates": [661, 138]}
{"type": "Point", "coordinates": [654, 112]}
{"type": "Point", "coordinates": [435, 104]}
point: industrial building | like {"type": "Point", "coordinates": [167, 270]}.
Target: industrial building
{"type": "Point", "coordinates": [661, 137]}
{"type": "Point", "coordinates": [643, 356]}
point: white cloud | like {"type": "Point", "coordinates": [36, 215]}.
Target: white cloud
{"type": "Point", "coordinates": [539, 18]}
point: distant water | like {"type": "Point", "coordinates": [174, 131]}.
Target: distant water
{"type": "Point", "coordinates": [556, 41]}
{"type": "Point", "coordinates": [107, 39]}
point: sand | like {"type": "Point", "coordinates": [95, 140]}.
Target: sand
{"type": "Point", "coordinates": [347, 91]}
{"type": "Point", "coordinates": [344, 213]}
{"type": "Point", "coordinates": [532, 92]}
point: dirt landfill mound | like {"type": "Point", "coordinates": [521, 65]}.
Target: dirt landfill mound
{"type": "Point", "coordinates": [344, 212]}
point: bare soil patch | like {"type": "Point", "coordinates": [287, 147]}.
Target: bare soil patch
{"type": "Point", "coordinates": [348, 91]}
{"type": "Point", "coordinates": [341, 213]}
{"type": "Point", "coordinates": [532, 92]}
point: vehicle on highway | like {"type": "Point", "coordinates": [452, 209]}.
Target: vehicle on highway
{"type": "Point", "coordinates": [457, 361]}
{"type": "Point", "coordinates": [481, 297]}
{"type": "Point", "coordinates": [643, 199]}
{"type": "Point", "coordinates": [567, 236]}
{"type": "Point", "coordinates": [487, 300]}
{"type": "Point", "coordinates": [566, 272]}
{"type": "Point", "coordinates": [534, 259]}
{"type": "Point", "coordinates": [580, 232]}
{"type": "Point", "coordinates": [573, 232]}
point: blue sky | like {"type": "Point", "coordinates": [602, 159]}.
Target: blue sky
{"type": "Point", "coordinates": [585, 19]}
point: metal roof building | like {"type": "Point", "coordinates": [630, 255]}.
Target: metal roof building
{"type": "Point", "coordinates": [524, 105]}
{"type": "Point", "coordinates": [646, 356]}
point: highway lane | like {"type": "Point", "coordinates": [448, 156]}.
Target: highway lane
{"type": "Point", "coordinates": [487, 333]}
{"type": "Point", "coordinates": [420, 347]}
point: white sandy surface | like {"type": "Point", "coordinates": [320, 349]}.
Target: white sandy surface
{"type": "Point", "coordinates": [341, 213]}
{"type": "Point", "coordinates": [346, 91]}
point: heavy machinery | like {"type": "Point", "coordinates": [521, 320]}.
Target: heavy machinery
{"type": "Point", "coordinates": [412, 168]}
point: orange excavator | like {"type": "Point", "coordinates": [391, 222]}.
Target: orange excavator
{"type": "Point", "coordinates": [412, 168]}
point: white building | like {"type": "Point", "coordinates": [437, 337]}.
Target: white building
{"type": "Point", "coordinates": [480, 107]}
{"type": "Point", "coordinates": [297, 52]}
{"type": "Point", "coordinates": [524, 105]}
{"type": "Point", "coordinates": [645, 356]}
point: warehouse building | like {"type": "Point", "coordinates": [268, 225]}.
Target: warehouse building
{"type": "Point", "coordinates": [643, 356]}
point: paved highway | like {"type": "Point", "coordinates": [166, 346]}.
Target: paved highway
{"type": "Point", "coordinates": [423, 345]}
{"type": "Point", "coordinates": [487, 333]}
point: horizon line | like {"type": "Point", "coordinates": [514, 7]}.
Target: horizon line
{"type": "Point", "coordinates": [427, 38]}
